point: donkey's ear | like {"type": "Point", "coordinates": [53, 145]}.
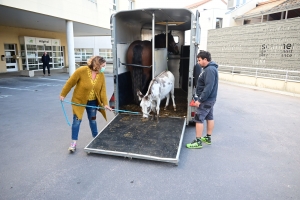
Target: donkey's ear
{"type": "Point", "coordinates": [139, 94]}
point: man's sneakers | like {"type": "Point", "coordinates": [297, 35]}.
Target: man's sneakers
{"type": "Point", "coordinates": [206, 139]}
{"type": "Point", "coordinates": [196, 144]}
{"type": "Point", "coordinates": [72, 148]}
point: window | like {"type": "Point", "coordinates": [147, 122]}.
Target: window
{"type": "Point", "coordinates": [114, 5]}
{"type": "Point", "coordinates": [275, 16]}
{"type": "Point", "coordinates": [219, 22]}
{"type": "Point", "coordinates": [293, 13]}
{"type": "Point", "coordinates": [131, 5]}
{"type": "Point", "coordinates": [106, 54]}
{"type": "Point", "coordinates": [82, 55]}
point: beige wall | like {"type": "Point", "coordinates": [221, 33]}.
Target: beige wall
{"type": "Point", "coordinates": [10, 35]}
{"type": "Point", "coordinates": [273, 45]}
{"type": "Point", "coordinates": [277, 85]}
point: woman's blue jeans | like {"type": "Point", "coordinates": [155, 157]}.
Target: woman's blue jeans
{"type": "Point", "coordinates": [91, 113]}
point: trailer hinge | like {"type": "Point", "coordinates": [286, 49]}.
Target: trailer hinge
{"type": "Point", "coordinates": [194, 24]}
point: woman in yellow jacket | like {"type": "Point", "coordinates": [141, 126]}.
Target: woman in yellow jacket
{"type": "Point", "coordinates": [90, 89]}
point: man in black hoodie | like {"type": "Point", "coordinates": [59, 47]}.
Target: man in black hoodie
{"type": "Point", "coordinates": [206, 94]}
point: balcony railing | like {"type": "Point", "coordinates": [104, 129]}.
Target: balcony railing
{"type": "Point", "coordinates": [285, 75]}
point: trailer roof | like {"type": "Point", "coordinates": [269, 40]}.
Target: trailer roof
{"type": "Point", "coordinates": [180, 17]}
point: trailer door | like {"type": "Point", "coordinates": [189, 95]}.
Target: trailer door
{"type": "Point", "coordinates": [195, 41]}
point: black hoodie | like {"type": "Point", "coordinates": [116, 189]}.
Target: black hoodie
{"type": "Point", "coordinates": [207, 83]}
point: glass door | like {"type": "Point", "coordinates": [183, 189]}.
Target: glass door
{"type": "Point", "coordinates": [32, 59]}
{"type": "Point", "coordinates": [40, 51]}
{"type": "Point", "coordinates": [10, 55]}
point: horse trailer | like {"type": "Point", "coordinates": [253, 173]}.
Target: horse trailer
{"type": "Point", "coordinates": [128, 134]}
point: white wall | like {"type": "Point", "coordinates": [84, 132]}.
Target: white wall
{"type": "Point", "coordinates": [96, 13]}
{"type": "Point", "coordinates": [99, 42]}
{"type": "Point", "coordinates": [229, 17]}
{"type": "Point", "coordinates": [208, 14]}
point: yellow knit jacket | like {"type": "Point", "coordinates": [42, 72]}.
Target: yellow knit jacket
{"type": "Point", "coordinates": [83, 87]}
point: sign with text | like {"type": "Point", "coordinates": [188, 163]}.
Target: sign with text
{"type": "Point", "coordinates": [43, 41]}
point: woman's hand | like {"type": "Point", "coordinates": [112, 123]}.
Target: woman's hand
{"type": "Point", "coordinates": [61, 98]}
{"type": "Point", "coordinates": [108, 108]}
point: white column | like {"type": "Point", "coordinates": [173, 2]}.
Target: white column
{"type": "Point", "coordinates": [70, 43]}
{"type": "Point", "coordinates": [95, 50]}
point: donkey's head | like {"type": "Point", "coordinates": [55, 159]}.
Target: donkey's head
{"type": "Point", "coordinates": [145, 103]}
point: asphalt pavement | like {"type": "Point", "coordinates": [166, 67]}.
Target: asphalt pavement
{"type": "Point", "coordinates": [255, 151]}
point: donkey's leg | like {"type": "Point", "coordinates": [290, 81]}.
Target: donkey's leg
{"type": "Point", "coordinates": [153, 116]}
{"type": "Point", "coordinates": [153, 113]}
{"type": "Point", "coordinates": [167, 101]}
{"type": "Point", "coordinates": [173, 99]}
{"type": "Point", "coordinates": [157, 109]}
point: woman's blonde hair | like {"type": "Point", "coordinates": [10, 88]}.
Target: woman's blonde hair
{"type": "Point", "coordinates": [95, 61]}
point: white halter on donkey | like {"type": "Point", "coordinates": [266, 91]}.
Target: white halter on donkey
{"type": "Point", "coordinates": [160, 87]}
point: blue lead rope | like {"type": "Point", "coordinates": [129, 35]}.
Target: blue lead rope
{"type": "Point", "coordinates": [84, 105]}
{"type": "Point", "coordinates": [63, 108]}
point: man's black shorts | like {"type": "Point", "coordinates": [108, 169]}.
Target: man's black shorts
{"type": "Point", "coordinates": [205, 111]}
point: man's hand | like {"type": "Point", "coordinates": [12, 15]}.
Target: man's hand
{"type": "Point", "coordinates": [197, 103]}
{"type": "Point", "coordinates": [61, 98]}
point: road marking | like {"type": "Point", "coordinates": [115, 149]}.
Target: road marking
{"type": "Point", "coordinates": [4, 96]}
{"type": "Point", "coordinates": [44, 85]}
{"type": "Point", "coordinates": [15, 88]}
{"type": "Point", "coordinates": [54, 79]}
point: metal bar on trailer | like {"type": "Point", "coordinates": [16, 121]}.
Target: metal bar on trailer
{"type": "Point", "coordinates": [131, 155]}
{"type": "Point", "coordinates": [153, 45]}
{"type": "Point", "coordinates": [180, 142]}
{"type": "Point", "coordinates": [135, 65]}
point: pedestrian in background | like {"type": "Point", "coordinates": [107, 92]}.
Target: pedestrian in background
{"type": "Point", "coordinates": [46, 61]}
{"type": "Point", "coordinates": [206, 94]}
{"type": "Point", "coordinates": [90, 89]}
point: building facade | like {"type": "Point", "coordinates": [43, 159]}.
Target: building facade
{"type": "Point", "coordinates": [211, 17]}
{"type": "Point", "coordinates": [28, 28]}
{"type": "Point", "coordinates": [262, 48]}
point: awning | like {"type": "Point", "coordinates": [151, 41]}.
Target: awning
{"type": "Point", "coordinates": [13, 17]}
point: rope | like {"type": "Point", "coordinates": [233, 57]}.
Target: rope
{"type": "Point", "coordinates": [84, 105]}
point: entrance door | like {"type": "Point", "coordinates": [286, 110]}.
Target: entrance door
{"type": "Point", "coordinates": [10, 53]}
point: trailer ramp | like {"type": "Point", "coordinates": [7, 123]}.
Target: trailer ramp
{"type": "Point", "coordinates": [133, 137]}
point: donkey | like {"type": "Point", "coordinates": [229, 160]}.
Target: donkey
{"type": "Point", "coordinates": [160, 87]}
